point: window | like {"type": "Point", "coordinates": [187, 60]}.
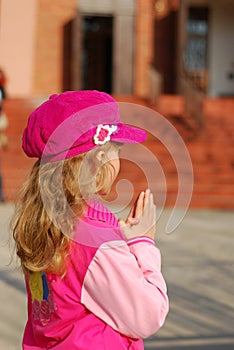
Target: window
{"type": "Point", "coordinates": [195, 54]}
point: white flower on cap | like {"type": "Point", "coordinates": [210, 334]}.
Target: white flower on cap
{"type": "Point", "coordinates": [103, 133]}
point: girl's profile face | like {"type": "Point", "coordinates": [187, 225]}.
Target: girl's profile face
{"type": "Point", "coordinates": [112, 162]}
{"type": "Point", "coordinates": [113, 158]}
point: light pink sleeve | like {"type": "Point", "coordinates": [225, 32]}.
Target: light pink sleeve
{"type": "Point", "coordinates": [125, 288]}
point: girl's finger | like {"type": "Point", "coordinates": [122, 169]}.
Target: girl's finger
{"type": "Point", "coordinates": [151, 200]}
{"type": "Point", "coordinates": [131, 213]}
{"type": "Point", "coordinates": [146, 199]}
{"type": "Point", "coordinates": [133, 221]}
{"type": "Point", "coordinates": [140, 205]}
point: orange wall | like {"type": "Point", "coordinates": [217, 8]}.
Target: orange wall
{"type": "Point", "coordinates": [31, 44]}
{"type": "Point", "coordinates": [17, 37]}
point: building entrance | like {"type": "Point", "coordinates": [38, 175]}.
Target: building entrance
{"type": "Point", "coordinates": [165, 46]}
{"type": "Point", "coordinates": [98, 47]}
{"type": "Point", "coordinates": [96, 60]}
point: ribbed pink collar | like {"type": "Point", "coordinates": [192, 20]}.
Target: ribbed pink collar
{"type": "Point", "coordinates": [97, 211]}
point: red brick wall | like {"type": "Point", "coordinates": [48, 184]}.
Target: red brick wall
{"type": "Point", "coordinates": [143, 45]}
{"type": "Point", "coordinates": [52, 15]}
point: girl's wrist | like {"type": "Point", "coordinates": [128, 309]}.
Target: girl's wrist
{"type": "Point", "coordinates": [140, 239]}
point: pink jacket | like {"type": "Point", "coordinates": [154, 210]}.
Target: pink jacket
{"type": "Point", "coordinates": [112, 296]}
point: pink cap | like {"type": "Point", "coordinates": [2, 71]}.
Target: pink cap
{"type": "Point", "coordinates": [75, 122]}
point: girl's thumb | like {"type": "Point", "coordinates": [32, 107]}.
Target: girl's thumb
{"type": "Point", "coordinates": [122, 223]}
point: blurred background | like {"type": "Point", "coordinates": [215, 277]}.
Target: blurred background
{"type": "Point", "coordinates": [117, 46]}
{"type": "Point", "coordinates": [175, 57]}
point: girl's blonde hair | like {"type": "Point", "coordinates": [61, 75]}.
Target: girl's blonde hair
{"type": "Point", "coordinates": [56, 190]}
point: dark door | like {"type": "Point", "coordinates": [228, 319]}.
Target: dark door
{"type": "Point", "coordinates": [97, 42]}
{"type": "Point", "coordinates": [165, 44]}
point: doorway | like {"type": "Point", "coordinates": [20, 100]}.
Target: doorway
{"type": "Point", "coordinates": [165, 44]}
{"type": "Point", "coordinates": [97, 48]}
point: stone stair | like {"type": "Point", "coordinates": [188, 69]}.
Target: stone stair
{"type": "Point", "coordinates": [210, 148]}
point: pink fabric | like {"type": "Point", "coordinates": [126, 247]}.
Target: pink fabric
{"type": "Point", "coordinates": [140, 239]}
{"type": "Point", "coordinates": [111, 296]}
{"type": "Point", "coordinates": [129, 296]}
{"type": "Point", "coordinates": [65, 125]}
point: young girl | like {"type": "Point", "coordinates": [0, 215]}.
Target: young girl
{"type": "Point", "coordinates": [92, 282]}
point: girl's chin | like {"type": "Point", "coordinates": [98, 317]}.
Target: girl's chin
{"type": "Point", "coordinates": [103, 193]}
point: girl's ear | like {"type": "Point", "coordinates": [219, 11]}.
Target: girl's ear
{"type": "Point", "coordinates": [101, 156]}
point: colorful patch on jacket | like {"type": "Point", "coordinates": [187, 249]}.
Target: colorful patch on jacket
{"type": "Point", "coordinates": [42, 302]}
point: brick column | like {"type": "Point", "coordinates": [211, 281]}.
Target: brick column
{"type": "Point", "coordinates": [52, 15]}
{"type": "Point", "coordinates": [143, 46]}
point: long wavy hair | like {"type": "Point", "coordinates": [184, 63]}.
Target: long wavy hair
{"type": "Point", "coordinates": [56, 193]}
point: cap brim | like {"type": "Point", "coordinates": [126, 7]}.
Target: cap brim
{"type": "Point", "coordinates": [128, 134]}
{"type": "Point", "coordinates": [124, 134]}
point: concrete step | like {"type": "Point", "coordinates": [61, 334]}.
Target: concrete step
{"type": "Point", "coordinates": [210, 148]}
